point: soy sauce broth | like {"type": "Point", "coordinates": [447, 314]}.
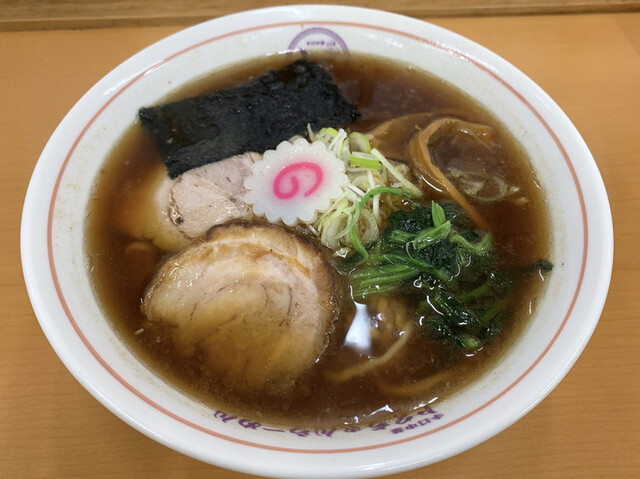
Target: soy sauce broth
{"type": "Point", "coordinates": [122, 266]}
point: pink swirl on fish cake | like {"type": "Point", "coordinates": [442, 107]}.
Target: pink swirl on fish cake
{"type": "Point", "coordinates": [288, 172]}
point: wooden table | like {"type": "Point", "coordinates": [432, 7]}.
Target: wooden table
{"type": "Point", "coordinates": [589, 426]}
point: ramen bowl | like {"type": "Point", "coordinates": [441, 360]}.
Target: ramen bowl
{"type": "Point", "coordinates": [59, 285]}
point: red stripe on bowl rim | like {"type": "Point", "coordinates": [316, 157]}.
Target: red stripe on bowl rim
{"type": "Point", "coordinates": [432, 43]}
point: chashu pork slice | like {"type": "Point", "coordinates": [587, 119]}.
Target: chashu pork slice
{"type": "Point", "coordinates": [256, 300]}
{"type": "Point", "coordinates": [171, 212]}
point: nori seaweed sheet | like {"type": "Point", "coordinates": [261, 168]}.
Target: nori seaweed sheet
{"type": "Point", "coordinates": [255, 116]}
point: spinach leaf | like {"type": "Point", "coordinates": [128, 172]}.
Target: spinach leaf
{"type": "Point", "coordinates": [430, 251]}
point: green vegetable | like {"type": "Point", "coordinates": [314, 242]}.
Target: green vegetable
{"type": "Point", "coordinates": [365, 160]}
{"type": "Point", "coordinates": [429, 251]}
{"type": "Point", "coordinates": [353, 234]}
{"type": "Point", "coordinates": [359, 142]}
{"type": "Point", "coordinates": [422, 240]}
{"type": "Point", "coordinates": [437, 214]}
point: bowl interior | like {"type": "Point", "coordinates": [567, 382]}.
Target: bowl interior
{"type": "Point", "coordinates": [56, 267]}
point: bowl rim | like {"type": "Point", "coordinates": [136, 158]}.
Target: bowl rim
{"type": "Point", "coordinates": [305, 13]}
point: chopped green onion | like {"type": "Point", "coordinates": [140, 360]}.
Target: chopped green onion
{"type": "Point", "coordinates": [413, 189]}
{"type": "Point", "coordinates": [359, 142]}
{"type": "Point", "coordinates": [371, 163]}
{"type": "Point", "coordinates": [336, 145]}
{"type": "Point", "coordinates": [329, 131]}
{"type": "Point", "coordinates": [353, 233]}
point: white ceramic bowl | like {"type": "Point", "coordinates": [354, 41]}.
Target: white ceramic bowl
{"type": "Point", "coordinates": [58, 284]}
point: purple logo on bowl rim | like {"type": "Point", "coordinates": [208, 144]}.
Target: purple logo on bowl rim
{"type": "Point", "coordinates": [318, 38]}
{"type": "Point", "coordinates": [425, 416]}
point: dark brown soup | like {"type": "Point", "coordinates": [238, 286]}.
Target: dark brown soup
{"type": "Point", "coordinates": [346, 385]}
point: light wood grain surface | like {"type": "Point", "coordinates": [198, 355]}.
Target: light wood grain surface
{"type": "Point", "coordinates": [47, 14]}
{"type": "Point", "coordinates": [589, 426]}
